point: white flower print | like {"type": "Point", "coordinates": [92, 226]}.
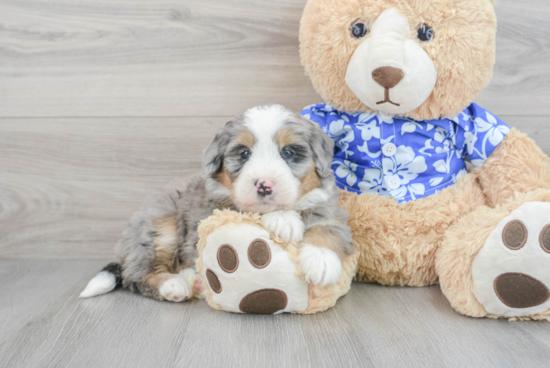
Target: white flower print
{"type": "Point", "coordinates": [435, 181]}
{"type": "Point", "coordinates": [373, 179]}
{"type": "Point", "coordinates": [495, 132]}
{"type": "Point", "coordinates": [427, 146]}
{"type": "Point", "coordinates": [470, 142]}
{"type": "Point", "coordinates": [366, 116]}
{"type": "Point", "coordinates": [347, 170]}
{"type": "Point", "coordinates": [365, 149]}
{"type": "Point", "coordinates": [442, 166]}
{"type": "Point", "coordinates": [342, 134]}
{"type": "Point", "coordinates": [369, 130]}
{"type": "Point", "coordinates": [413, 190]}
{"type": "Point", "coordinates": [444, 137]}
{"type": "Point", "coordinates": [410, 127]}
{"type": "Point", "coordinates": [405, 164]}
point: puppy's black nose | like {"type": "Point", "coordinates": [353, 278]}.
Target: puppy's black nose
{"type": "Point", "coordinates": [264, 187]}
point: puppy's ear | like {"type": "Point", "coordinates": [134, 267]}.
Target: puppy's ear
{"type": "Point", "coordinates": [212, 158]}
{"type": "Point", "coordinates": [323, 150]}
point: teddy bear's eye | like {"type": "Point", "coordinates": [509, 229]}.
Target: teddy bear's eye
{"type": "Point", "coordinates": [425, 33]}
{"type": "Point", "coordinates": [359, 28]}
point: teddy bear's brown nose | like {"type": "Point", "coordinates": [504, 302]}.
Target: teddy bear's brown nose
{"type": "Point", "coordinates": [388, 76]}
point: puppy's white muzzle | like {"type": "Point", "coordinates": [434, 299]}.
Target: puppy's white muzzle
{"type": "Point", "coordinates": [266, 183]}
{"type": "Point", "coordinates": [389, 72]}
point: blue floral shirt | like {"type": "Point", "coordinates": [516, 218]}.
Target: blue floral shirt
{"type": "Point", "coordinates": [404, 158]}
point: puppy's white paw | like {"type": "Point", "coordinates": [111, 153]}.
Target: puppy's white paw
{"type": "Point", "coordinates": [287, 225]}
{"type": "Point", "coordinates": [320, 266]}
{"type": "Point", "coordinates": [194, 281]}
{"type": "Point", "coordinates": [176, 289]}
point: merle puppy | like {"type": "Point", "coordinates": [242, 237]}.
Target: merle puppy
{"type": "Point", "coordinates": [269, 161]}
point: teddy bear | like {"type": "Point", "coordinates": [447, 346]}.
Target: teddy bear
{"type": "Point", "coordinates": [248, 270]}
{"type": "Point", "coordinates": [398, 79]}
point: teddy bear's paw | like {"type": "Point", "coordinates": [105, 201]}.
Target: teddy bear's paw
{"type": "Point", "coordinates": [248, 273]}
{"type": "Point", "coordinates": [176, 289]}
{"type": "Point", "coordinates": [511, 272]}
{"type": "Point", "coordinates": [320, 266]}
{"type": "Point", "coordinates": [287, 225]}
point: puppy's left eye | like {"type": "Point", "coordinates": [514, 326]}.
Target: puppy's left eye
{"type": "Point", "coordinates": [425, 33]}
{"type": "Point", "coordinates": [245, 154]}
{"type": "Point", "coordinates": [287, 153]}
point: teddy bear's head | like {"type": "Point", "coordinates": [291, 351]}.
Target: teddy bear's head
{"type": "Point", "coordinates": [423, 59]}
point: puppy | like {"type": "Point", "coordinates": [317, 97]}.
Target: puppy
{"type": "Point", "coordinates": [269, 161]}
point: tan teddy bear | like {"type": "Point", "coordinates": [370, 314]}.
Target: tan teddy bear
{"type": "Point", "coordinates": [399, 78]}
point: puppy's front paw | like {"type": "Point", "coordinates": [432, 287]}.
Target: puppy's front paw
{"type": "Point", "coordinates": [320, 266]}
{"type": "Point", "coordinates": [176, 289]}
{"type": "Point", "coordinates": [287, 225]}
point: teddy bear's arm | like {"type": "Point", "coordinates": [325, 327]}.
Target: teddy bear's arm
{"type": "Point", "coordinates": [505, 159]}
{"type": "Point", "coordinates": [516, 165]}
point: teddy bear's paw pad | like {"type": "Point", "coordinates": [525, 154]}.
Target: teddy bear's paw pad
{"type": "Point", "coordinates": [266, 301]}
{"type": "Point", "coordinates": [249, 273]}
{"type": "Point", "coordinates": [510, 272]}
{"type": "Point", "coordinates": [213, 281]}
{"type": "Point", "coordinates": [518, 290]}
{"type": "Point", "coordinates": [228, 258]}
{"type": "Point", "coordinates": [259, 254]}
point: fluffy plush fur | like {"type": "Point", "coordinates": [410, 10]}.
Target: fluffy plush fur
{"type": "Point", "coordinates": [398, 242]}
{"type": "Point", "coordinates": [268, 161]}
{"type": "Point", "coordinates": [435, 238]}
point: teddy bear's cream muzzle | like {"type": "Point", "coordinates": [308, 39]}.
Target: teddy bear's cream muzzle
{"type": "Point", "coordinates": [390, 72]}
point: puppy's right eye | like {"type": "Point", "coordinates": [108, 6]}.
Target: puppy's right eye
{"type": "Point", "coordinates": [245, 154]}
{"type": "Point", "coordinates": [359, 28]}
{"type": "Point", "coordinates": [288, 153]}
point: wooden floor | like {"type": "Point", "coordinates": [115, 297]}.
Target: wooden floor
{"type": "Point", "coordinates": [102, 102]}
{"type": "Point", "coordinates": [44, 324]}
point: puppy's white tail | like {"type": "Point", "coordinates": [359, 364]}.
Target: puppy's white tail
{"type": "Point", "coordinates": [107, 280]}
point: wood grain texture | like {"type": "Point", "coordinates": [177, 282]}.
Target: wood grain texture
{"type": "Point", "coordinates": [44, 324]}
{"type": "Point", "coordinates": [149, 57]}
{"type": "Point", "coordinates": [69, 186]}
{"type": "Point", "coordinates": [61, 58]}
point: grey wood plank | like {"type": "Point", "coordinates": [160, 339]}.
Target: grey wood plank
{"type": "Point", "coordinates": [69, 186]}
{"type": "Point", "coordinates": [521, 79]}
{"type": "Point", "coordinates": [149, 57]}
{"type": "Point", "coordinates": [44, 324]}
{"type": "Point", "coordinates": [207, 58]}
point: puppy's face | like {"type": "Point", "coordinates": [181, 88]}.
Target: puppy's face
{"type": "Point", "coordinates": [267, 159]}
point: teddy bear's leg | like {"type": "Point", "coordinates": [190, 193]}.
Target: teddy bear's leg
{"type": "Point", "coordinates": [496, 261]}
{"type": "Point", "coordinates": [517, 165]}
